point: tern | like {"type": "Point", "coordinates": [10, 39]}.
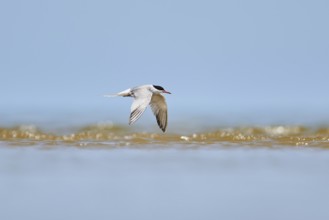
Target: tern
{"type": "Point", "coordinates": [143, 96]}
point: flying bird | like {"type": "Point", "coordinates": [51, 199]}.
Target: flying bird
{"type": "Point", "coordinates": [147, 95]}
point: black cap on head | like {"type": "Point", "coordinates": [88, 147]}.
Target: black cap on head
{"type": "Point", "coordinates": [158, 87]}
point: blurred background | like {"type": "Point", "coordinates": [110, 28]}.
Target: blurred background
{"type": "Point", "coordinates": [226, 63]}
{"type": "Point", "coordinates": [229, 61]}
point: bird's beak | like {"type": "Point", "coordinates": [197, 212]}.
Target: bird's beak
{"type": "Point", "coordinates": [164, 91]}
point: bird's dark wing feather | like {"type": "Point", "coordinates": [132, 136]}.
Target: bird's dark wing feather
{"type": "Point", "coordinates": [159, 108]}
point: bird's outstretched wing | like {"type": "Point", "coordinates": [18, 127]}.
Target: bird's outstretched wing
{"type": "Point", "coordinates": [159, 108]}
{"type": "Point", "coordinates": [142, 99]}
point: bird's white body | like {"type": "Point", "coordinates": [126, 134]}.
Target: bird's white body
{"type": "Point", "coordinates": [147, 95]}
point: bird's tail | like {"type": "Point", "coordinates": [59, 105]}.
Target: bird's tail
{"type": "Point", "coordinates": [124, 93]}
{"type": "Point", "coordinates": [112, 95]}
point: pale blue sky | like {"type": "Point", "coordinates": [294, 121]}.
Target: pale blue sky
{"type": "Point", "coordinates": [214, 56]}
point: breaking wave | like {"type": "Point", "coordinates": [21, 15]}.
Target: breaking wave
{"type": "Point", "coordinates": [116, 136]}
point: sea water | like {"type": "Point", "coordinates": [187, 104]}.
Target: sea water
{"type": "Point", "coordinates": [106, 170]}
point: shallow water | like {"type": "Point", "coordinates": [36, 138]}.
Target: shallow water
{"type": "Point", "coordinates": [108, 171]}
